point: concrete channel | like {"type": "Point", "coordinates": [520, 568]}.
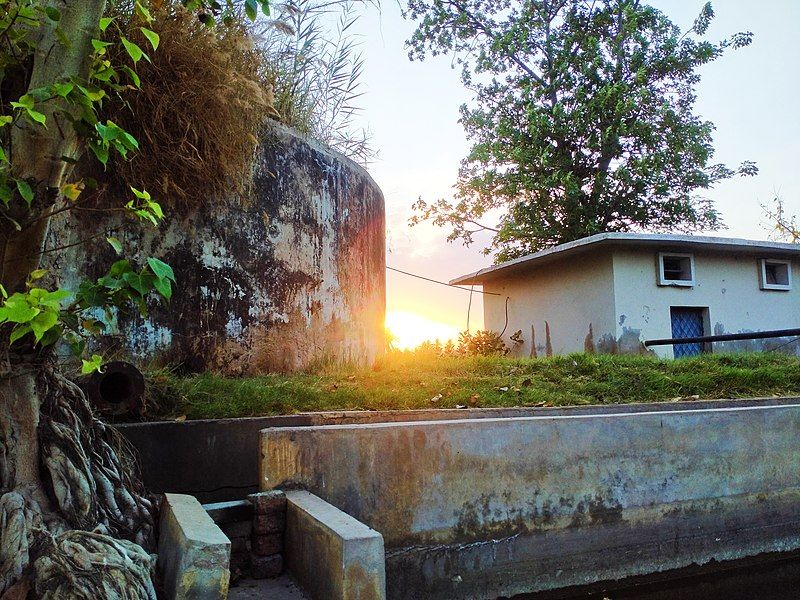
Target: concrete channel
{"type": "Point", "coordinates": [719, 521]}
{"type": "Point", "coordinates": [496, 507]}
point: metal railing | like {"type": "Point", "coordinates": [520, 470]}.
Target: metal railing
{"type": "Point", "coordinates": [725, 337]}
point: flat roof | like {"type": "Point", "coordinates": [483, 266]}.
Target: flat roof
{"type": "Point", "coordinates": [667, 241]}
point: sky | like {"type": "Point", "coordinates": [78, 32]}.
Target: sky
{"type": "Point", "coordinates": [411, 109]}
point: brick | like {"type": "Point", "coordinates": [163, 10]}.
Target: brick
{"type": "Point", "coordinates": [268, 502]}
{"type": "Point", "coordinates": [240, 544]}
{"type": "Point", "coordinates": [265, 545]}
{"type": "Point", "coordinates": [266, 567]}
{"type": "Point", "coordinates": [269, 523]}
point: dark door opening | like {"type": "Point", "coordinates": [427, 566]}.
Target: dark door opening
{"type": "Point", "coordinates": [687, 322]}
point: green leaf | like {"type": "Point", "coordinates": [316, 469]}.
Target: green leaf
{"type": "Point", "coordinates": [105, 22]}
{"type": "Point", "coordinates": [5, 120]}
{"type": "Point", "coordinates": [251, 9]}
{"type": "Point", "coordinates": [19, 332]}
{"type": "Point", "coordinates": [135, 281]}
{"type": "Point", "coordinates": [35, 115]}
{"type": "Point", "coordinates": [115, 244]}
{"type": "Point", "coordinates": [151, 36]}
{"type": "Point", "coordinates": [17, 310]}
{"type": "Point", "coordinates": [92, 365]}
{"type": "Point", "coordinates": [25, 190]}
{"type": "Point", "coordinates": [42, 322]}
{"type": "Point", "coordinates": [163, 287]}
{"type": "Point", "coordinates": [143, 13]}
{"type": "Point", "coordinates": [63, 89]}
{"type": "Point", "coordinates": [161, 269]}
{"type": "Point", "coordinates": [100, 46]}
{"type": "Point", "coordinates": [52, 13]}
{"type": "Point", "coordinates": [25, 101]}
{"type": "Point", "coordinates": [132, 49]}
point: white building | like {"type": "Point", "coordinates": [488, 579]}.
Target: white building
{"type": "Point", "coordinates": [613, 291]}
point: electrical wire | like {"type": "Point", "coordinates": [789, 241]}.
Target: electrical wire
{"type": "Point", "coordinates": [469, 306]}
{"type": "Point", "coordinates": [450, 285]}
{"type": "Point", "coordinates": [506, 324]}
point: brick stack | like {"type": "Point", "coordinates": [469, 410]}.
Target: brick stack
{"type": "Point", "coordinates": [266, 542]}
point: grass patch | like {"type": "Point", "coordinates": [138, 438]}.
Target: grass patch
{"type": "Point", "coordinates": [406, 380]}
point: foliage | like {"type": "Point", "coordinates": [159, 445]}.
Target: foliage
{"type": "Point", "coordinates": [782, 226]}
{"type": "Point", "coordinates": [481, 343]}
{"type": "Point", "coordinates": [583, 120]}
{"type": "Point", "coordinates": [74, 103]}
{"type": "Point", "coordinates": [423, 379]}
{"type": "Point", "coordinates": [316, 77]}
{"type": "Point", "coordinates": [204, 83]}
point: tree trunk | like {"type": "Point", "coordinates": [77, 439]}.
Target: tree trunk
{"type": "Point", "coordinates": [61, 469]}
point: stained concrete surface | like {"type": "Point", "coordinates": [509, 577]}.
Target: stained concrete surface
{"type": "Point", "coordinates": [489, 507]}
{"type": "Point", "coordinates": [276, 279]}
{"type": "Point", "coordinates": [193, 553]}
{"type": "Point", "coordinates": [331, 555]}
{"type": "Point", "coordinates": [228, 449]}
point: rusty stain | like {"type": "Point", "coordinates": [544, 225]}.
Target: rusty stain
{"type": "Point", "coordinates": [533, 342]}
{"type": "Point", "coordinates": [588, 342]}
{"type": "Point", "coordinates": [548, 342]}
{"type": "Point", "coordinates": [360, 585]}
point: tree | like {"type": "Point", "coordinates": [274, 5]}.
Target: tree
{"type": "Point", "coordinates": [583, 120]}
{"type": "Point", "coordinates": [782, 226]}
{"type": "Point", "coordinates": [74, 519]}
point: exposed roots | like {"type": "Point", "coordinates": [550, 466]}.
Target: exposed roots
{"type": "Point", "coordinates": [90, 566]}
{"type": "Point", "coordinates": [57, 538]}
{"type": "Point", "coordinates": [92, 475]}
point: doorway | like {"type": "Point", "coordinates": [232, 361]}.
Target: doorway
{"type": "Point", "coordinates": [688, 322]}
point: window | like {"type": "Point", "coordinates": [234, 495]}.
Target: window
{"type": "Point", "coordinates": [675, 269]}
{"type": "Point", "coordinates": [775, 274]}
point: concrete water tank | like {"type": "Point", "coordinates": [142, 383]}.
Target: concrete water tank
{"type": "Point", "coordinates": [289, 276]}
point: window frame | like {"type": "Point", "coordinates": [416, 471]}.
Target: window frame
{"type": "Point", "coordinates": [762, 275]}
{"type": "Point", "coordinates": [663, 281]}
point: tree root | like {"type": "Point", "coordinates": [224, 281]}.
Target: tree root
{"type": "Point", "coordinates": [92, 473]}
{"type": "Point", "coordinates": [86, 531]}
{"type": "Point", "coordinates": [90, 566]}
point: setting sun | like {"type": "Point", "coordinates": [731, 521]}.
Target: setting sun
{"type": "Point", "coordinates": [410, 329]}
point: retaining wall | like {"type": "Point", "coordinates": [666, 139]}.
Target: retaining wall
{"type": "Point", "coordinates": [491, 507]}
{"type": "Point", "coordinates": [228, 449]}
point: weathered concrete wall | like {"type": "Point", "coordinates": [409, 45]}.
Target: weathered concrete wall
{"type": "Point", "coordinates": [228, 449]}
{"type": "Point", "coordinates": [560, 308]}
{"type": "Point", "coordinates": [330, 554]}
{"type": "Point", "coordinates": [725, 283]}
{"type": "Point", "coordinates": [489, 507]}
{"type": "Point", "coordinates": [290, 275]}
{"type": "Point", "coordinates": [193, 553]}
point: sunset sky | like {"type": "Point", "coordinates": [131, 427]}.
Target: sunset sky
{"type": "Point", "coordinates": [412, 110]}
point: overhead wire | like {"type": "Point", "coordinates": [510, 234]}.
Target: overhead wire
{"type": "Point", "coordinates": [450, 285]}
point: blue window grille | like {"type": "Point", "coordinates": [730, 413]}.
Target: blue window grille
{"type": "Point", "coordinates": [687, 323]}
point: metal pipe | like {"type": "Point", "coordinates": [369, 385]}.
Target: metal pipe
{"type": "Point", "coordinates": [726, 337]}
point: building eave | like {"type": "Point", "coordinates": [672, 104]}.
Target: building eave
{"type": "Point", "coordinates": [666, 241]}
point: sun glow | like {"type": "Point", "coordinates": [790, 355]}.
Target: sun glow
{"type": "Point", "coordinates": [409, 329]}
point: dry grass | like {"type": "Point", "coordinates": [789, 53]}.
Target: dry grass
{"type": "Point", "coordinates": [197, 115]}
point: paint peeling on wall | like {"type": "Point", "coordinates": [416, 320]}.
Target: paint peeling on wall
{"type": "Point", "coordinates": [291, 275]}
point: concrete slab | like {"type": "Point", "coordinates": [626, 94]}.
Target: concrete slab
{"type": "Point", "coordinates": [330, 554]}
{"type": "Point", "coordinates": [193, 553]}
{"type": "Point", "coordinates": [481, 508]}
